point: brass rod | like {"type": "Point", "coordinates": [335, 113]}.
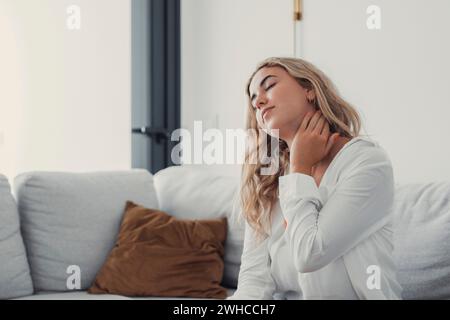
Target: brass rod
{"type": "Point", "coordinates": [297, 10]}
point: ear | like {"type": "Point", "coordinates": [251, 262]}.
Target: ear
{"type": "Point", "coordinates": [310, 94]}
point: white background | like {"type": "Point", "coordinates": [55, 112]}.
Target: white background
{"type": "Point", "coordinates": [222, 42]}
{"type": "Point", "coordinates": [397, 76]}
{"type": "Point", "coordinates": [65, 101]}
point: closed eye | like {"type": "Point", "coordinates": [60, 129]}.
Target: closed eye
{"type": "Point", "coordinates": [273, 84]}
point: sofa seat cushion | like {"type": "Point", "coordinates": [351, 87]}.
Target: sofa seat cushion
{"type": "Point", "coordinates": [72, 295]}
{"type": "Point", "coordinates": [84, 295]}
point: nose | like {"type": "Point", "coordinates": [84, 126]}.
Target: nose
{"type": "Point", "coordinates": [260, 101]}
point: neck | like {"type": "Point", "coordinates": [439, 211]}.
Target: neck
{"type": "Point", "coordinates": [338, 144]}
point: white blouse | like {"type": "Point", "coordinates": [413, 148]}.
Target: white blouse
{"type": "Point", "coordinates": [337, 243]}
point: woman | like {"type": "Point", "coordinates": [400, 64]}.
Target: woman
{"type": "Point", "coordinates": [320, 228]}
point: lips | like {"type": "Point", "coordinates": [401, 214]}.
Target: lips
{"type": "Point", "coordinates": [264, 112]}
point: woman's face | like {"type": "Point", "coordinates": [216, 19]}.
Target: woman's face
{"type": "Point", "coordinates": [279, 101]}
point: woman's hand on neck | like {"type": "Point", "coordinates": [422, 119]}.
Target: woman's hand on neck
{"type": "Point", "coordinates": [308, 149]}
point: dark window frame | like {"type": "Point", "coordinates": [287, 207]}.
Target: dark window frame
{"type": "Point", "coordinates": [164, 87]}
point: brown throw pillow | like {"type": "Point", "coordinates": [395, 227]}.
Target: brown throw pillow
{"type": "Point", "coordinates": [159, 255]}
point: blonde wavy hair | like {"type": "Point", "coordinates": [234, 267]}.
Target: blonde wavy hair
{"type": "Point", "coordinates": [259, 193]}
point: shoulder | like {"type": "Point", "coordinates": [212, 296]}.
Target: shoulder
{"type": "Point", "coordinates": [365, 155]}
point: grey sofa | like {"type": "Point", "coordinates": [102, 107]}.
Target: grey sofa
{"type": "Point", "coordinates": [53, 221]}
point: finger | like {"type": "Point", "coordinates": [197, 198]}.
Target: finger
{"type": "Point", "coordinates": [326, 129]}
{"type": "Point", "coordinates": [319, 125]}
{"type": "Point", "coordinates": [331, 141]}
{"type": "Point", "coordinates": [313, 122]}
{"type": "Point", "coordinates": [306, 121]}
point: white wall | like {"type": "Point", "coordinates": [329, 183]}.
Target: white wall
{"type": "Point", "coordinates": [65, 99]}
{"type": "Point", "coordinates": [222, 41]}
{"type": "Point", "coordinates": [397, 76]}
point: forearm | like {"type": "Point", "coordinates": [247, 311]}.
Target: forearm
{"type": "Point", "coordinates": [359, 206]}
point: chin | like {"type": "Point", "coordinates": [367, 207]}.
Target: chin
{"type": "Point", "coordinates": [272, 125]}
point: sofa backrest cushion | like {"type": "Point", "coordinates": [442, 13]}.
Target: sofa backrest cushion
{"type": "Point", "coordinates": [422, 239]}
{"type": "Point", "coordinates": [190, 192]}
{"type": "Point", "coordinates": [70, 221]}
{"type": "Point", "coordinates": [15, 280]}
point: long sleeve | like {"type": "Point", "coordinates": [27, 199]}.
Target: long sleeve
{"type": "Point", "coordinates": [255, 281]}
{"type": "Point", "coordinates": [318, 233]}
